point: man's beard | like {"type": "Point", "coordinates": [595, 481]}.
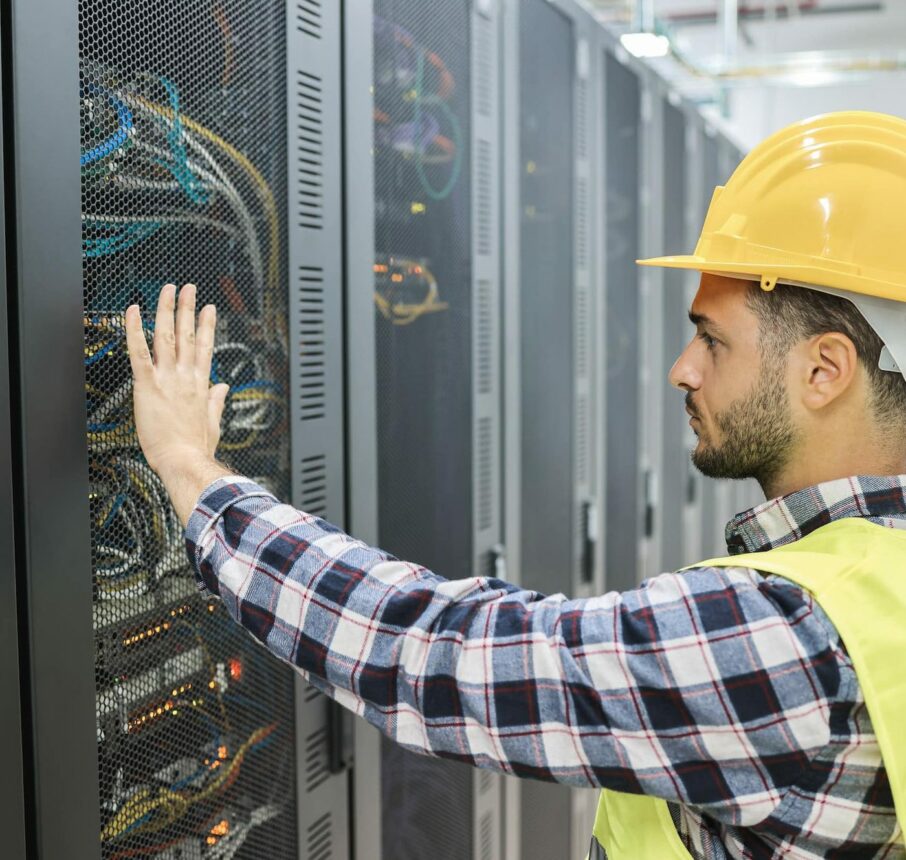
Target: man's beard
{"type": "Point", "coordinates": [757, 431]}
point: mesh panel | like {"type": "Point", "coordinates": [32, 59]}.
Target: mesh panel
{"type": "Point", "coordinates": [547, 286]}
{"type": "Point", "coordinates": [423, 281]}
{"type": "Point", "coordinates": [183, 151]}
{"type": "Point", "coordinates": [423, 304]}
{"type": "Point", "coordinates": [623, 502]}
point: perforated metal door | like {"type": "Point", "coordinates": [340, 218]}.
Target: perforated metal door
{"type": "Point", "coordinates": [184, 171]}
{"type": "Point", "coordinates": [623, 501]}
{"type": "Point", "coordinates": [435, 296]}
{"type": "Point", "coordinates": [547, 283]}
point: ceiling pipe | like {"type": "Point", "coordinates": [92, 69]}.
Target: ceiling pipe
{"type": "Point", "coordinates": [728, 17]}
{"type": "Point", "coordinates": [643, 19]}
{"type": "Point", "coordinates": [760, 12]}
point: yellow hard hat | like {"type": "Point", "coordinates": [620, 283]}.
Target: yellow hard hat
{"type": "Point", "coordinates": [822, 202]}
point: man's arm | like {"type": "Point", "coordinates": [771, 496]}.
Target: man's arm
{"type": "Point", "coordinates": [710, 687]}
{"type": "Point", "coordinates": [696, 687]}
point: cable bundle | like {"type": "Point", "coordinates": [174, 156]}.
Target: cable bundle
{"type": "Point", "coordinates": [167, 171]}
{"type": "Point", "coordinates": [137, 537]}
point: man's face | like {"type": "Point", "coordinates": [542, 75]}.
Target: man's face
{"type": "Point", "coordinates": [736, 397]}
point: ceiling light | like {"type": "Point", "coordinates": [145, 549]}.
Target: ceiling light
{"type": "Point", "coordinates": [645, 45]}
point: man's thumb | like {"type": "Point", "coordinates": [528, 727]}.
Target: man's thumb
{"type": "Point", "coordinates": [217, 396]}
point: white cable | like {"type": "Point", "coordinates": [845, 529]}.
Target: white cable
{"type": "Point", "coordinates": [176, 218]}
{"type": "Point", "coordinates": [232, 195]}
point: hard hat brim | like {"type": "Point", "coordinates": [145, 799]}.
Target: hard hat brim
{"type": "Point", "coordinates": [690, 261]}
{"type": "Point", "coordinates": [783, 273]}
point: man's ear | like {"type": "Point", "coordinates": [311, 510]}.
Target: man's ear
{"type": "Point", "coordinates": [828, 368]}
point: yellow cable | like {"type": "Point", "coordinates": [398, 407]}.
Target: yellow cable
{"type": "Point", "coordinates": [173, 804]}
{"type": "Point", "coordinates": [238, 446]}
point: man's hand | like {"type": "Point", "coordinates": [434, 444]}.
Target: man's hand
{"type": "Point", "coordinates": [177, 412]}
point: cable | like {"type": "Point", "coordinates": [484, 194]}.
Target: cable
{"type": "Point", "coordinates": [229, 60]}
{"type": "Point", "coordinates": [437, 101]}
{"type": "Point", "coordinates": [136, 533]}
{"type": "Point", "coordinates": [119, 241]}
{"type": "Point", "coordinates": [265, 193]}
{"type": "Point", "coordinates": [176, 218]}
{"type": "Point", "coordinates": [393, 278]}
{"type": "Point", "coordinates": [220, 180]}
{"type": "Point", "coordinates": [119, 138]}
{"type": "Point", "coordinates": [228, 845]}
{"type": "Point", "coordinates": [176, 141]}
{"type": "Point", "coordinates": [168, 805]}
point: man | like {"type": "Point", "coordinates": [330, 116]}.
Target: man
{"type": "Point", "coordinates": [760, 695]}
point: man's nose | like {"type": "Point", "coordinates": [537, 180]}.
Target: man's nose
{"type": "Point", "coordinates": [684, 374]}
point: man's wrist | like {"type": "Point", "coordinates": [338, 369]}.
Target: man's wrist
{"type": "Point", "coordinates": [186, 475]}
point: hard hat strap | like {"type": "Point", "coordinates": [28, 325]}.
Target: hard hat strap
{"type": "Point", "coordinates": [885, 316]}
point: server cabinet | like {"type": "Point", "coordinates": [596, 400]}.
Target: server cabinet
{"type": "Point", "coordinates": [430, 194]}
{"type": "Point", "coordinates": [13, 790]}
{"type": "Point", "coordinates": [628, 503]}
{"type": "Point", "coordinates": [208, 137]}
{"type": "Point", "coordinates": [553, 505]}
{"type": "Point", "coordinates": [651, 360]}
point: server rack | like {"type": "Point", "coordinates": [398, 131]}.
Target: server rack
{"type": "Point", "coordinates": [12, 788]}
{"type": "Point", "coordinates": [158, 729]}
{"type": "Point", "coordinates": [628, 505]}
{"type": "Point", "coordinates": [652, 314]}
{"type": "Point", "coordinates": [554, 506]}
{"type": "Point", "coordinates": [431, 359]}
{"type": "Point", "coordinates": [361, 383]}
{"type": "Point", "coordinates": [670, 485]}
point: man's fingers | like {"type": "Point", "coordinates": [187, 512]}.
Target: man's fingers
{"type": "Point", "coordinates": [164, 338]}
{"type": "Point", "coordinates": [204, 342]}
{"type": "Point", "coordinates": [185, 326]}
{"type": "Point", "coordinates": [139, 355]}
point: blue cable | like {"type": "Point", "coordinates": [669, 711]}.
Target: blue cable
{"type": "Point", "coordinates": [105, 350]}
{"type": "Point", "coordinates": [175, 138]}
{"type": "Point", "coordinates": [118, 138]}
{"type": "Point", "coordinates": [131, 235]}
{"type": "Point", "coordinates": [118, 502]}
{"type": "Point", "coordinates": [101, 428]}
{"type": "Point", "coordinates": [138, 823]}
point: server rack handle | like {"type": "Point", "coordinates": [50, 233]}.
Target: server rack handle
{"type": "Point", "coordinates": [340, 730]}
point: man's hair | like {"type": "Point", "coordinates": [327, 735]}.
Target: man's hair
{"type": "Point", "coordinates": [788, 315]}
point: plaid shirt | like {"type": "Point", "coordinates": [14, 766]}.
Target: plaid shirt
{"type": "Point", "coordinates": [724, 691]}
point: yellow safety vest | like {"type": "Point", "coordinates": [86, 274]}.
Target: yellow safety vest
{"type": "Point", "coordinates": [857, 573]}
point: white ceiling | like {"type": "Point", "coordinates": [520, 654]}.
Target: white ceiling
{"type": "Point", "coordinates": [758, 106]}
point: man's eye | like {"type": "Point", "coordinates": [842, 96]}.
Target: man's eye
{"type": "Point", "coordinates": [709, 341]}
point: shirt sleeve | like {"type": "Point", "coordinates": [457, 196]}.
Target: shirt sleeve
{"type": "Point", "coordinates": [711, 687]}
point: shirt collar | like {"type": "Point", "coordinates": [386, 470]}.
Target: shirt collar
{"type": "Point", "coordinates": [788, 518]}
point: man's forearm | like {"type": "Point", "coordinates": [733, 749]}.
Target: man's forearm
{"type": "Point", "coordinates": [186, 478]}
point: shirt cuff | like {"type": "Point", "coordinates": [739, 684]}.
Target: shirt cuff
{"type": "Point", "coordinates": [211, 506]}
